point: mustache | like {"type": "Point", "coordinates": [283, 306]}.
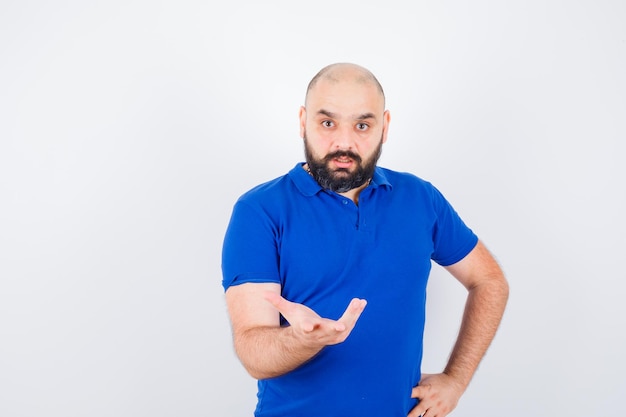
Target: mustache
{"type": "Point", "coordinates": [339, 154]}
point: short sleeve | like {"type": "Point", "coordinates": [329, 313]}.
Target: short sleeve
{"type": "Point", "coordinates": [452, 238]}
{"type": "Point", "coordinates": [249, 252]}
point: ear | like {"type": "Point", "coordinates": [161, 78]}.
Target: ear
{"type": "Point", "coordinates": [302, 116]}
{"type": "Point", "coordinates": [386, 120]}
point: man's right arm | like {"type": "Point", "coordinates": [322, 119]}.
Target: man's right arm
{"type": "Point", "coordinates": [268, 350]}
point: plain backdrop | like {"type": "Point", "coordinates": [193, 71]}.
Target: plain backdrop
{"type": "Point", "coordinates": [129, 128]}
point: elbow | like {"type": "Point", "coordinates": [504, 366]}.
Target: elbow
{"type": "Point", "coordinates": [257, 373]}
{"type": "Point", "coordinates": [504, 289]}
{"type": "Point", "coordinates": [254, 366]}
{"type": "Point", "coordinates": [252, 371]}
{"type": "Point", "coordinates": [495, 289]}
{"type": "Point", "coordinates": [499, 293]}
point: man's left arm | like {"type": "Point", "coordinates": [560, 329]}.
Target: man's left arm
{"type": "Point", "coordinates": [488, 293]}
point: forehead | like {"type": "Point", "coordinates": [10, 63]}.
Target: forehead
{"type": "Point", "coordinates": [348, 95]}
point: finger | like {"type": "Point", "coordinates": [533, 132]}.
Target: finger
{"type": "Point", "coordinates": [277, 301]}
{"type": "Point", "coordinates": [417, 411]}
{"type": "Point", "coordinates": [421, 410]}
{"type": "Point", "coordinates": [292, 312]}
{"type": "Point", "coordinates": [423, 389]}
{"type": "Point", "coordinates": [353, 312]}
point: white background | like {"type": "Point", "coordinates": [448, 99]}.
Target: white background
{"type": "Point", "coordinates": [129, 128]}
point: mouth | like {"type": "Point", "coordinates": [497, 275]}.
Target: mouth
{"type": "Point", "coordinates": [343, 162]}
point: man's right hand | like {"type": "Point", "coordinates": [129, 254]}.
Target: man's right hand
{"type": "Point", "coordinates": [312, 329]}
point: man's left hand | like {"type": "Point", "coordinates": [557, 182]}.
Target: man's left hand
{"type": "Point", "coordinates": [438, 395]}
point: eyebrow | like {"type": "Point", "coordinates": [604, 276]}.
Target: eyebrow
{"type": "Point", "coordinates": [327, 113]}
{"type": "Point", "coordinates": [366, 116]}
{"type": "Point", "coordinates": [332, 115]}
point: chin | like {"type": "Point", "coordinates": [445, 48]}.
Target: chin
{"type": "Point", "coordinates": [342, 171]}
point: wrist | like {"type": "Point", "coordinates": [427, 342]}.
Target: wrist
{"type": "Point", "coordinates": [459, 379]}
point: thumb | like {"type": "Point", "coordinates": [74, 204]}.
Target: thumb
{"type": "Point", "coordinates": [274, 298]}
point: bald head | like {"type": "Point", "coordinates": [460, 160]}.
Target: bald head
{"type": "Point", "coordinates": [345, 72]}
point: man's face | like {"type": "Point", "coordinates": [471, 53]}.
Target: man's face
{"type": "Point", "coordinates": [344, 125]}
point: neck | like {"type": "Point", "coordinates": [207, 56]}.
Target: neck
{"type": "Point", "coordinates": [354, 193]}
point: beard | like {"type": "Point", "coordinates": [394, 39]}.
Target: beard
{"type": "Point", "coordinates": [341, 180]}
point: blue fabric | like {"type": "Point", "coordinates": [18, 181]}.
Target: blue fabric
{"type": "Point", "coordinates": [324, 250]}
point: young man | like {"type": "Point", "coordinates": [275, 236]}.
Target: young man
{"type": "Point", "coordinates": [325, 271]}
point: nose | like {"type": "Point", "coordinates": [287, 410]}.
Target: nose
{"type": "Point", "coordinates": [344, 140]}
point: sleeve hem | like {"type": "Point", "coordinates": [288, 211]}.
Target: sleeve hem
{"type": "Point", "coordinates": [460, 254]}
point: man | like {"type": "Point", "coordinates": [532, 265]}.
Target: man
{"type": "Point", "coordinates": [325, 271]}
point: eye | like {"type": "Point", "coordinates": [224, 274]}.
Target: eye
{"type": "Point", "coordinates": [362, 126]}
{"type": "Point", "coordinates": [328, 123]}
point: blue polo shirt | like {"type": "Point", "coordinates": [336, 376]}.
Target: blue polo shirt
{"type": "Point", "coordinates": [325, 250]}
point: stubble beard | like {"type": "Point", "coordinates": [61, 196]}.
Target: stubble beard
{"type": "Point", "coordinates": [341, 180]}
